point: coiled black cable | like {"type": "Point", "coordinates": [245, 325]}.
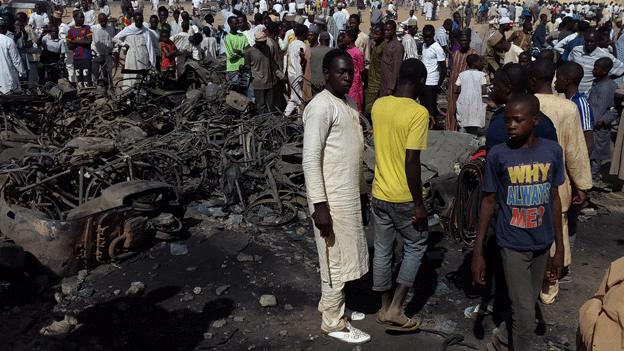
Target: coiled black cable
{"type": "Point", "coordinates": [464, 218]}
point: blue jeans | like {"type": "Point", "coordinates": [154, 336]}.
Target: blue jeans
{"type": "Point", "coordinates": [392, 219]}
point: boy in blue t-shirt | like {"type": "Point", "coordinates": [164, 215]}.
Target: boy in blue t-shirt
{"type": "Point", "coordinates": [522, 176]}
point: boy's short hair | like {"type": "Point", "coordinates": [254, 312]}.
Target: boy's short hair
{"type": "Point", "coordinates": [515, 75]}
{"type": "Point", "coordinates": [196, 38]}
{"type": "Point", "coordinates": [300, 30]}
{"type": "Point", "coordinates": [546, 54]}
{"type": "Point", "coordinates": [353, 34]}
{"type": "Point", "coordinates": [412, 72]}
{"type": "Point", "coordinates": [605, 62]}
{"type": "Point", "coordinates": [572, 71]}
{"type": "Point", "coordinates": [472, 59]}
{"type": "Point", "coordinates": [185, 25]}
{"type": "Point", "coordinates": [583, 26]}
{"type": "Point", "coordinates": [526, 100]}
{"type": "Point", "coordinates": [272, 27]}
{"type": "Point", "coordinates": [429, 29]}
{"type": "Point", "coordinates": [541, 70]}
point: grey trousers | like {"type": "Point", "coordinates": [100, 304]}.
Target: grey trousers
{"type": "Point", "coordinates": [393, 220]}
{"type": "Point", "coordinates": [524, 273]}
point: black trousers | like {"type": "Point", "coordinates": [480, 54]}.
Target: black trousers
{"type": "Point", "coordinates": [264, 100]}
{"type": "Point", "coordinates": [429, 99]}
{"type": "Point", "coordinates": [83, 70]}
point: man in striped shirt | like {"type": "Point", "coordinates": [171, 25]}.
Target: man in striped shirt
{"type": "Point", "coordinates": [569, 76]}
{"type": "Point", "coordinates": [587, 54]}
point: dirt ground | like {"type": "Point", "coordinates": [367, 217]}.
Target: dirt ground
{"type": "Point", "coordinates": [207, 296]}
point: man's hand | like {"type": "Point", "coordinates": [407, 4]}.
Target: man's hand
{"type": "Point", "coordinates": [555, 266]}
{"type": "Point", "coordinates": [579, 197]}
{"type": "Point", "coordinates": [365, 205]}
{"type": "Point", "coordinates": [419, 219]}
{"type": "Point", "coordinates": [478, 267]}
{"type": "Point", "coordinates": [322, 219]}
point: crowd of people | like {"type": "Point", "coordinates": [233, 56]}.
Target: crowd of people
{"type": "Point", "coordinates": [86, 48]}
{"type": "Point", "coordinates": [550, 72]}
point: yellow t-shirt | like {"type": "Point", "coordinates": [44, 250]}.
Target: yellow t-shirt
{"type": "Point", "coordinates": [399, 124]}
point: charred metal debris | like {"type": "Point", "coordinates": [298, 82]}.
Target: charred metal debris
{"type": "Point", "coordinates": [88, 177]}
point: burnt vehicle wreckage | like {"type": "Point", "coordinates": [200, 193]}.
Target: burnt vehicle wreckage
{"type": "Point", "coordinates": [88, 177]}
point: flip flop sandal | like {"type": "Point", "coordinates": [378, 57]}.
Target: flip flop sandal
{"type": "Point", "coordinates": [412, 324]}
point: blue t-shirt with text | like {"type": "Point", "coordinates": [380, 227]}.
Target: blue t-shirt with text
{"type": "Point", "coordinates": [522, 180]}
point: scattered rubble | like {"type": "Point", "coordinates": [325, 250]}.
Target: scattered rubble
{"type": "Point", "coordinates": [178, 249]}
{"type": "Point", "coordinates": [220, 323]}
{"type": "Point", "coordinates": [70, 285]}
{"type": "Point", "coordinates": [222, 289]}
{"type": "Point", "coordinates": [243, 257]}
{"type": "Point", "coordinates": [135, 289]}
{"type": "Point", "coordinates": [268, 300]}
{"type": "Point", "coordinates": [60, 328]}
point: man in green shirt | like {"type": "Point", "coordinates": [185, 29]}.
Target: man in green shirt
{"type": "Point", "coordinates": [235, 44]}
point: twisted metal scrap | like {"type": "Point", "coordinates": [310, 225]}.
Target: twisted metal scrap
{"type": "Point", "coordinates": [59, 153]}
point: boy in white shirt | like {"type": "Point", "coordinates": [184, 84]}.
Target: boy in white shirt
{"type": "Point", "coordinates": [470, 105]}
{"type": "Point", "coordinates": [38, 20]}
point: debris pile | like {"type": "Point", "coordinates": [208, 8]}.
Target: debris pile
{"type": "Point", "coordinates": [88, 177]}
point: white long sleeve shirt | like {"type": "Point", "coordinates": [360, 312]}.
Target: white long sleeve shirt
{"type": "Point", "coordinates": [409, 46]}
{"type": "Point", "coordinates": [11, 67]}
{"type": "Point", "coordinates": [560, 47]}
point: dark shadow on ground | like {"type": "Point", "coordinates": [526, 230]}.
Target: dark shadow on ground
{"type": "Point", "coordinates": [139, 323]}
{"type": "Point", "coordinates": [426, 280]}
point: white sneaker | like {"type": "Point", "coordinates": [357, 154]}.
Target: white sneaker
{"type": "Point", "coordinates": [354, 315]}
{"type": "Point", "coordinates": [351, 335]}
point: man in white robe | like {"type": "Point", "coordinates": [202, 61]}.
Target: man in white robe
{"type": "Point", "coordinates": [333, 151]}
{"type": "Point", "coordinates": [140, 55]}
{"type": "Point", "coordinates": [11, 67]}
{"type": "Point", "coordinates": [295, 69]}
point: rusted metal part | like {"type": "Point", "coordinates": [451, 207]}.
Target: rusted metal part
{"type": "Point", "coordinates": [102, 229]}
{"type": "Point", "coordinates": [53, 242]}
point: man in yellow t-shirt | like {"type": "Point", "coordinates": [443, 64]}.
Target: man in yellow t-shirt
{"type": "Point", "coordinates": [400, 126]}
